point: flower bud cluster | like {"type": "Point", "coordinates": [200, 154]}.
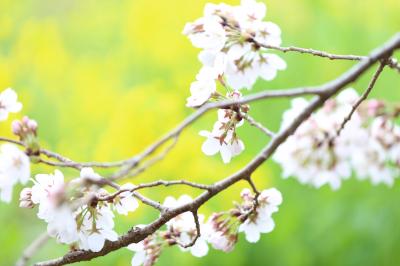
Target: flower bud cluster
{"type": "Point", "coordinates": [253, 217]}
{"type": "Point", "coordinates": [26, 130]}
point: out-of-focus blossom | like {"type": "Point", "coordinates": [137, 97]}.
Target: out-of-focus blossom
{"type": "Point", "coordinates": [317, 155]}
{"type": "Point", "coordinates": [125, 202]}
{"type": "Point", "coordinates": [8, 103]}
{"type": "Point", "coordinates": [14, 168]}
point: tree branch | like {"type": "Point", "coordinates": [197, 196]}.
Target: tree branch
{"type": "Point", "coordinates": [326, 90]}
{"type": "Point", "coordinates": [198, 232]}
{"type": "Point", "coordinates": [258, 125]}
{"type": "Point", "coordinates": [363, 97]}
{"type": "Point", "coordinates": [391, 62]}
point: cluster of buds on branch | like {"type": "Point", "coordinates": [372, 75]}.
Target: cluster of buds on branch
{"type": "Point", "coordinates": [321, 141]}
{"type": "Point", "coordinates": [26, 130]}
{"type": "Point", "coordinates": [189, 231]}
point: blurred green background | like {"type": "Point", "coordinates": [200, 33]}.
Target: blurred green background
{"type": "Point", "coordinates": [104, 79]}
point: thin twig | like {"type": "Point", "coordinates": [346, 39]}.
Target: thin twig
{"type": "Point", "coordinates": [149, 202]}
{"type": "Point", "coordinates": [134, 161]}
{"type": "Point", "coordinates": [391, 62]}
{"type": "Point", "coordinates": [30, 251]}
{"type": "Point", "coordinates": [66, 162]}
{"type": "Point", "coordinates": [363, 97]}
{"type": "Point", "coordinates": [130, 163]}
{"type": "Point", "coordinates": [258, 125]}
{"type": "Point", "coordinates": [253, 186]}
{"type": "Point", "coordinates": [198, 232]}
{"type": "Point", "coordinates": [147, 164]}
{"type": "Point", "coordinates": [3, 139]}
{"type": "Point", "coordinates": [155, 184]}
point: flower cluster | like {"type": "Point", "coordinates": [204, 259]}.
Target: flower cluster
{"type": "Point", "coordinates": [253, 216]}
{"type": "Point", "coordinates": [231, 39]}
{"type": "Point", "coordinates": [90, 222]}
{"type": "Point", "coordinates": [368, 144]}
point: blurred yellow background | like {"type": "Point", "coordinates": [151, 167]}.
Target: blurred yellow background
{"type": "Point", "coordinates": [104, 79]}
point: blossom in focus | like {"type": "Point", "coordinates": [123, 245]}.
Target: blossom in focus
{"type": "Point", "coordinates": [231, 32]}
{"type": "Point", "coordinates": [125, 202]}
{"type": "Point", "coordinates": [14, 168]}
{"type": "Point", "coordinates": [182, 228]}
{"type": "Point", "coordinates": [219, 141]}
{"type": "Point", "coordinates": [206, 33]}
{"type": "Point", "coordinates": [261, 220]}
{"type": "Point", "coordinates": [203, 88]}
{"type": "Point", "coordinates": [223, 138]}
{"type": "Point", "coordinates": [8, 103]}
{"type": "Point", "coordinates": [95, 227]}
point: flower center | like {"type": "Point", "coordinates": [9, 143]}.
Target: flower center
{"type": "Point", "coordinates": [17, 162]}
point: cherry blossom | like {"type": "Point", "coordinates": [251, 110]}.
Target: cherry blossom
{"type": "Point", "coordinates": [221, 233]}
{"type": "Point", "coordinates": [125, 202]}
{"type": "Point", "coordinates": [261, 221]}
{"type": "Point", "coordinates": [222, 241]}
{"type": "Point", "coordinates": [221, 142]}
{"type": "Point", "coordinates": [14, 168]}
{"type": "Point", "coordinates": [317, 155]}
{"type": "Point", "coordinates": [95, 227]}
{"type": "Point", "coordinates": [223, 138]}
{"type": "Point", "coordinates": [206, 33]}
{"type": "Point", "coordinates": [231, 45]}
{"type": "Point", "coordinates": [146, 251]}
{"type": "Point", "coordinates": [9, 103]}
{"type": "Point", "coordinates": [183, 227]}
{"type": "Point", "coordinates": [377, 155]}
{"type": "Point", "coordinates": [203, 88]}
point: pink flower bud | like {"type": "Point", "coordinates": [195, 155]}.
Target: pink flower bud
{"type": "Point", "coordinates": [32, 125]}
{"type": "Point", "coordinates": [25, 120]}
{"type": "Point", "coordinates": [16, 127]}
